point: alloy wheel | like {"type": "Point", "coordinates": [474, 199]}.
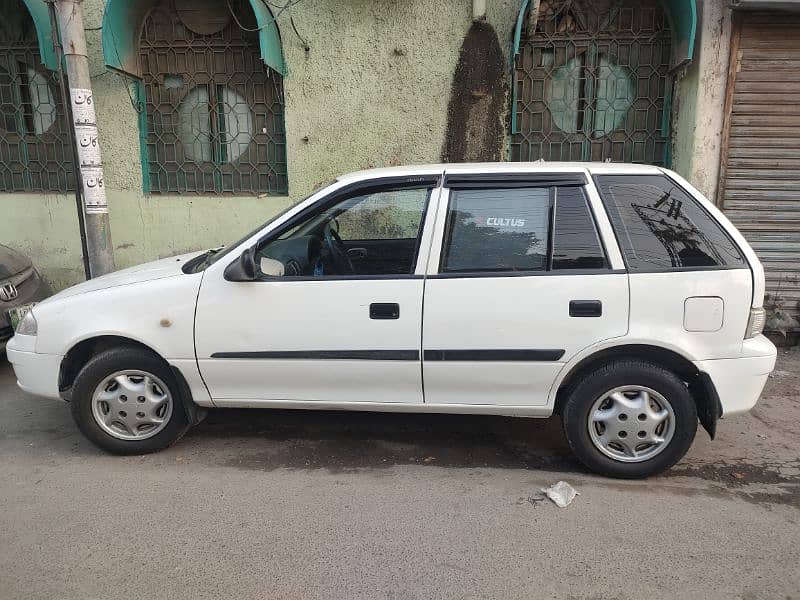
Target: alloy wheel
{"type": "Point", "coordinates": [631, 423]}
{"type": "Point", "coordinates": [132, 405]}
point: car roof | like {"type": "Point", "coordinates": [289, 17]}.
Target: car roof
{"type": "Point", "coordinates": [501, 167]}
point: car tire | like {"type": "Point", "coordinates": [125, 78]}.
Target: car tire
{"type": "Point", "coordinates": [154, 394]}
{"type": "Point", "coordinates": [614, 418]}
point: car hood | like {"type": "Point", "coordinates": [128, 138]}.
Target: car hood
{"type": "Point", "coordinates": [166, 267]}
{"type": "Point", "coordinates": [12, 262]}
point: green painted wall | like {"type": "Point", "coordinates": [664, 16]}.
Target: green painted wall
{"type": "Point", "coordinates": [700, 112]}
{"type": "Point", "coordinates": [372, 91]}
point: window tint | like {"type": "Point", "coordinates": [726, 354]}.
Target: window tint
{"type": "Point", "coordinates": [497, 230]}
{"type": "Point", "coordinates": [385, 215]}
{"type": "Point", "coordinates": [576, 244]}
{"type": "Point", "coordinates": [659, 226]}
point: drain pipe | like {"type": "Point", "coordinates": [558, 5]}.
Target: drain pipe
{"type": "Point", "coordinates": [478, 10]}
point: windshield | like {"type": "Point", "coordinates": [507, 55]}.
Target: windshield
{"type": "Point", "coordinates": [207, 259]}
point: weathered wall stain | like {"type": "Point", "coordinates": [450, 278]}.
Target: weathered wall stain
{"type": "Point", "coordinates": [477, 99]}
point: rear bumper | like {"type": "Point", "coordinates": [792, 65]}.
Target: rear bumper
{"type": "Point", "coordinates": [740, 381]}
{"type": "Point", "coordinates": [36, 373]}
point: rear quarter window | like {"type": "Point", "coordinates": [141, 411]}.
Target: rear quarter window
{"type": "Point", "coordinates": [661, 227]}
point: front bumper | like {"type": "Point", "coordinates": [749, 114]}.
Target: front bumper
{"type": "Point", "coordinates": [36, 373]}
{"type": "Point", "coordinates": [740, 381]}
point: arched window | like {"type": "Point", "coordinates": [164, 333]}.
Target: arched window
{"type": "Point", "coordinates": [214, 110]}
{"type": "Point", "coordinates": [35, 146]}
{"type": "Point", "coordinates": [592, 82]}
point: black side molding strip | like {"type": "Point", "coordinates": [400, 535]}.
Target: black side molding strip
{"type": "Point", "coordinates": [494, 355]}
{"type": "Point", "coordinates": [324, 354]}
{"type": "Point", "coordinates": [523, 355]}
{"type": "Point", "coordinates": [512, 180]}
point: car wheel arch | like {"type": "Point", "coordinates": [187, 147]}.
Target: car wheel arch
{"type": "Point", "coordinates": [82, 351]}
{"type": "Point", "coordinates": [700, 385]}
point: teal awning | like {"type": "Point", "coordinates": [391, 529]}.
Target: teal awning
{"type": "Point", "coordinates": [269, 37]}
{"type": "Point", "coordinates": [40, 14]}
{"type": "Point", "coordinates": [122, 24]}
{"type": "Point", "coordinates": [523, 10]}
{"type": "Point", "coordinates": [682, 15]}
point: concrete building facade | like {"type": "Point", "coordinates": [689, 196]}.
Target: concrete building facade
{"type": "Point", "coordinates": [324, 87]}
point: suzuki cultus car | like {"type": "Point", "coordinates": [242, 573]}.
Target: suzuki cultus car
{"type": "Point", "coordinates": [615, 296]}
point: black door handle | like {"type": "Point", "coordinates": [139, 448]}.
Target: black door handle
{"type": "Point", "coordinates": [585, 308]}
{"type": "Point", "coordinates": [384, 310]}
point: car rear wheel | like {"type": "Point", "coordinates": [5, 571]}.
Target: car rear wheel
{"type": "Point", "coordinates": [127, 401]}
{"type": "Point", "coordinates": [630, 419]}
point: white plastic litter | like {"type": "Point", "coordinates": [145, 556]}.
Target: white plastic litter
{"type": "Point", "coordinates": [562, 493]}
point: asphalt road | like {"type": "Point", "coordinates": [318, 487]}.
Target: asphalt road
{"type": "Point", "coordinates": [292, 504]}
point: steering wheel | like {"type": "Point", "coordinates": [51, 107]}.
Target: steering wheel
{"type": "Point", "coordinates": [338, 251]}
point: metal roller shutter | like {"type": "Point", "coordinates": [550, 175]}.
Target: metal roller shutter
{"type": "Point", "coordinates": [760, 187]}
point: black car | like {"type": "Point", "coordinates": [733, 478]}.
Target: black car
{"type": "Point", "coordinates": [20, 284]}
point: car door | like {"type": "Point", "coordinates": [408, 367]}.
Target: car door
{"type": "Point", "coordinates": [314, 334]}
{"type": "Point", "coordinates": [518, 283]}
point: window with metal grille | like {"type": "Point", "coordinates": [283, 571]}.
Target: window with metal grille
{"type": "Point", "coordinates": [214, 110]}
{"type": "Point", "coordinates": [592, 77]}
{"type": "Point", "coordinates": [35, 145]}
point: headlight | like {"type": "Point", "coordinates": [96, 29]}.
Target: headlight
{"type": "Point", "coordinates": [28, 325]}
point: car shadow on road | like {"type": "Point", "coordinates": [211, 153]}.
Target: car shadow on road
{"type": "Point", "coordinates": [337, 441]}
{"type": "Point", "coordinates": [345, 441]}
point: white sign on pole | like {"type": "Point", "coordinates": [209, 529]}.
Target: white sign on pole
{"type": "Point", "coordinates": [82, 107]}
{"type": "Point", "coordinates": [94, 190]}
{"type": "Point", "coordinates": [88, 145]}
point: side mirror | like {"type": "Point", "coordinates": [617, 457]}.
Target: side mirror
{"type": "Point", "coordinates": [243, 269]}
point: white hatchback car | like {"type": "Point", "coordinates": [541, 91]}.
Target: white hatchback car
{"type": "Point", "coordinates": [613, 295]}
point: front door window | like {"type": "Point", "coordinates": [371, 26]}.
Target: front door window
{"type": "Point", "coordinates": [375, 233]}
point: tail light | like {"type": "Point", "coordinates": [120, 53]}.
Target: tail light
{"type": "Point", "coordinates": [755, 323]}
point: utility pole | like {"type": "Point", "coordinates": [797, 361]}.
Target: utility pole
{"type": "Point", "coordinates": [89, 166]}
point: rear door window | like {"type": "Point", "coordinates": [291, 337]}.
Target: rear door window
{"type": "Point", "coordinates": [520, 230]}
{"type": "Point", "coordinates": [497, 230]}
{"type": "Point", "coordinates": [660, 227]}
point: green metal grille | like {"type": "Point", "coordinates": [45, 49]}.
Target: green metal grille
{"type": "Point", "coordinates": [35, 145]}
{"type": "Point", "coordinates": [592, 79]}
{"type": "Point", "coordinates": [214, 110]}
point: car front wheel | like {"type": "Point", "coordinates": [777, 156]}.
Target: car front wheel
{"type": "Point", "coordinates": [630, 419]}
{"type": "Point", "coordinates": [127, 401]}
